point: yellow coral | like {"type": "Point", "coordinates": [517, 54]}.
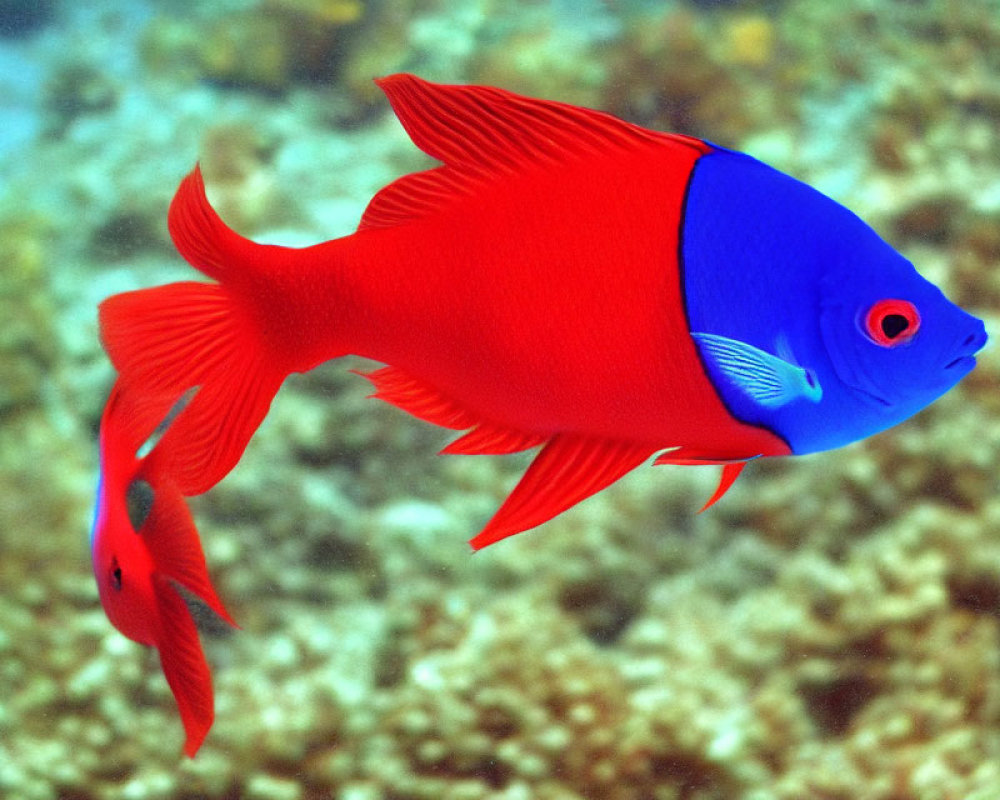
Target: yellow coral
{"type": "Point", "coordinates": [248, 51]}
{"type": "Point", "coordinates": [324, 12]}
{"type": "Point", "coordinates": [750, 41]}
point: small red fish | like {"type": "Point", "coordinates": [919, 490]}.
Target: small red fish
{"type": "Point", "coordinates": [144, 546]}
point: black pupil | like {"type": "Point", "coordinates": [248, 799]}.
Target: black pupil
{"type": "Point", "coordinates": [116, 575]}
{"type": "Point", "coordinates": [894, 324]}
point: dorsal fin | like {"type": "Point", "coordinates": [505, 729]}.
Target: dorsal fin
{"type": "Point", "coordinates": [480, 131]}
{"type": "Point", "coordinates": [412, 196]}
{"type": "Point", "coordinates": [484, 129]}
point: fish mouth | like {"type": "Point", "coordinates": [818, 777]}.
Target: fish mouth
{"type": "Point", "coordinates": [962, 362]}
{"type": "Point", "coordinates": [960, 366]}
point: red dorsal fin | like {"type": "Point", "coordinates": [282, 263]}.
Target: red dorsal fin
{"type": "Point", "coordinates": [184, 664]}
{"type": "Point", "coordinates": [481, 131]}
{"type": "Point", "coordinates": [487, 439]}
{"type": "Point", "coordinates": [129, 420]}
{"type": "Point", "coordinates": [412, 197]}
{"type": "Point", "coordinates": [568, 469]}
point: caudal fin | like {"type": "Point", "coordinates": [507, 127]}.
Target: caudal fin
{"type": "Point", "coordinates": [200, 235]}
{"type": "Point", "coordinates": [169, 339]}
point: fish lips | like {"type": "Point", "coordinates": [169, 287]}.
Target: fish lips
{"type": "Point", "coordinates": [963, 355]}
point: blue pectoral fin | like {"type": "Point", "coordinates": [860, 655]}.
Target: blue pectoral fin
{"type": "Point", "coordinates": [768, 380]}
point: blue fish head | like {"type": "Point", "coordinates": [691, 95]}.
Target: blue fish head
{"type": "Point", "coordinates": [895, 342]}
{"type": "Point", "coordinates": [778, 272]}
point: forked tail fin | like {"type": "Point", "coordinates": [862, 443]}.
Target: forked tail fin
{"type": "Point", "coordinates": [203, 239]}
{"type": "Point", "coordinates": [170, 339]}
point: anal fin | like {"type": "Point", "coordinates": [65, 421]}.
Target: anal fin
{"type": "Point", "coordinates": [495, 440]}
{"type": "Point", "coordinates": [424, 401]}
{"type": "Point", "coordinates": [568, 469]}
{"type": "Point", "coordinates": [398, 388]}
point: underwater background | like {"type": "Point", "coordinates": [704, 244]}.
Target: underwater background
{"type": "Point", "coordinates": [831, 629]}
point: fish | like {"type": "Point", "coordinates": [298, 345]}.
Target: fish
{"type": "Point", "coordinates": [147, 556]}
{"type": "Point", "coordinates": [562, 280]}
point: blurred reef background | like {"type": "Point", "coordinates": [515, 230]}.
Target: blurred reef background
{"type": "Point", "coordinates": [830, 630]}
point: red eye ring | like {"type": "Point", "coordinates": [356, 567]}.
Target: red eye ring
{"type": "Point", "coordinates": [892, 322]}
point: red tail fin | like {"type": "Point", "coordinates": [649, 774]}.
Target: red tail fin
{"type": "Point", "coordinates": [172, 338]}
{"type": "Point", "coordinates": [200, 235]}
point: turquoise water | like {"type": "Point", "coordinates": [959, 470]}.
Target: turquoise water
{"type": "Point", "coordinates": [831, 629]}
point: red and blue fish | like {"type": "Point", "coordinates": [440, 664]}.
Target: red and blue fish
{"type": "Point", "coordinates": [146, 554]}
{"type": "Point", "coordinates": [562, 280]}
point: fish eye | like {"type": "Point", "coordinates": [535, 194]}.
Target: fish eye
{"type": "Point", "coordinates": [892, 322]}
{"type": "Point", "coordinates": [139, 502]}
{"type": "Point", "coordinates": [115, 575]}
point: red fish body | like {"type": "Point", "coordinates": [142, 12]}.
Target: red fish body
{"type": "Point", "coordinates": [508, 290]}
{"type": "Point", "coordinates": [144, 545]}
{"type": "Point", "coordinates": [531, 291]}
{"type": "Point", "coordinates": [549, 316]}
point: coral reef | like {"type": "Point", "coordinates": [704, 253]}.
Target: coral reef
{"type": "Point", "coordinates": [831, 629]}
{"type": "Point", "coordinates": [27, 346]}
{"type": "Point", "coordinates": [268, 47]}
